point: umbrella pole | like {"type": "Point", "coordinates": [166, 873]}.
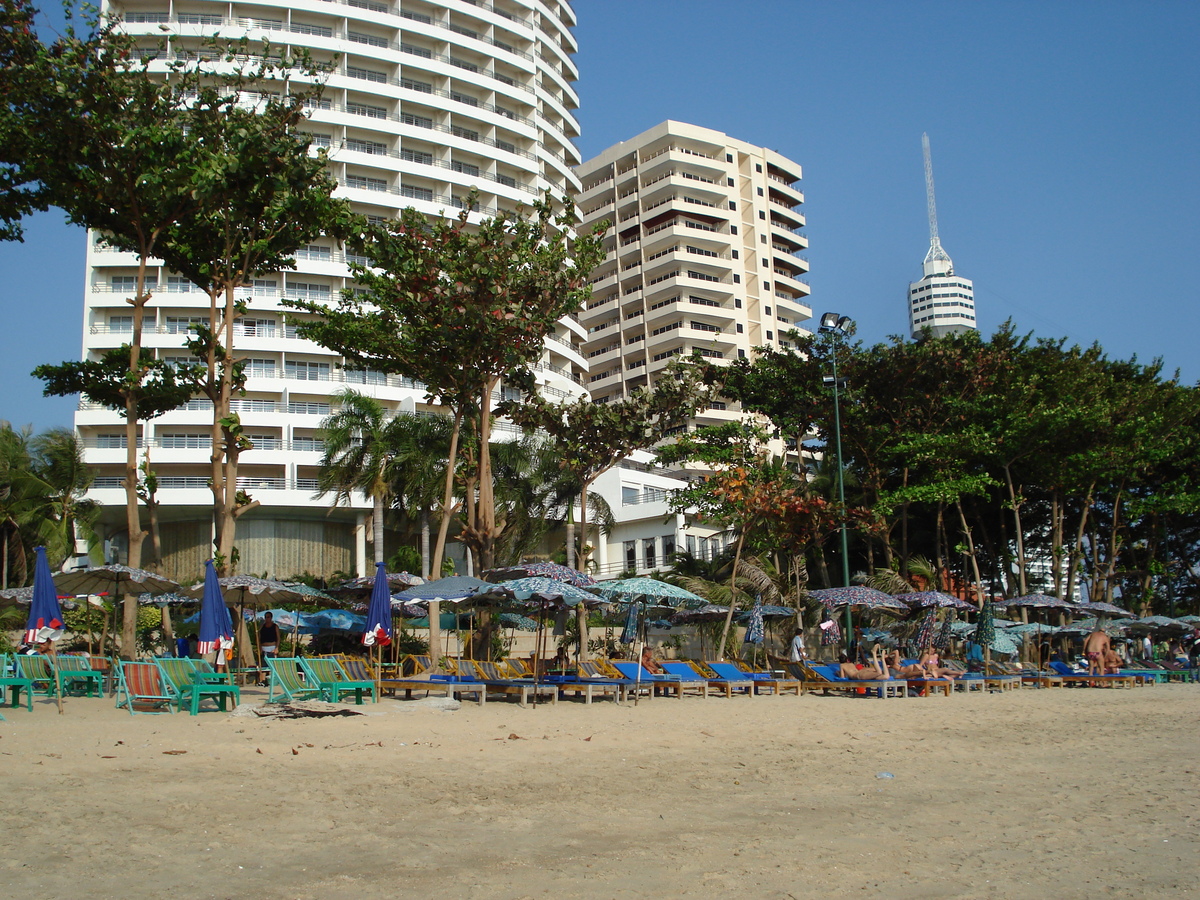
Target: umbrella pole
{"type": "Point", "coordinates": [57, 677]}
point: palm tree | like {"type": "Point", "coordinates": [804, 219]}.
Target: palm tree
{"type": "Point", "coordinates": [22, 502]}
{"type": "Point", "coordinates": [419, 469]}
{"type": "Point", "coordinates": [65, 479]}
{"type": "Point", "coordinates": [360, 450]}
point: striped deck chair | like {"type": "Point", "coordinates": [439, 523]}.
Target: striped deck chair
{"type": "Point", "coordinates": [184, 680]}
{"type": "Point", "coordinates": [38, 670]}
{"type": "Point", "coordinates": [328, 676]}
{"type": "Point", "coordinates": [287, 681]}
{"type": "Point", "coordinates": [77, 676]}
{"type": "Point", "coordinates": [12, 679]}
{"type": "Point", "coordinates": [141, 689]}
{"type": "Point", "coordinates": [360, 669]}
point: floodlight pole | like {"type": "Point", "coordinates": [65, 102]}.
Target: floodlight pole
{"type": "Point", "coordinates": [832, 323]}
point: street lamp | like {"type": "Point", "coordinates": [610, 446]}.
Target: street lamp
{"type": "Point", "coordinates": [832, 323]}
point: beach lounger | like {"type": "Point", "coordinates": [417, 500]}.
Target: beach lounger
{"type": "Point", "coordinates": [77, 676]}
{"type": "Point", "coordinates": [448, 685]}
{"type": "Point", "coordinates": [692, 675]}
{"type": "Point", "coordinates": [328, 676]}
{"type": "Point", "coordinates": [826, 678]}
{"type": "Point", "coordinates": [1071, 677]}
{"type": "Point", "coordinates": [1177, 671]}
{"type": "Point", "coordinates": [636, 672]}
{"type": "Point", "coordinates": [761, 679]}
{"type": "Point", "coordinates": [287, 681]}
{"type": "Point", "coordinates": [141, 688]}
{"type": "Point", "coordinates": [733, 680]}
{"type": "Point", "coordinates": [12, 679]}
{"type": "Point", "coordinates": [190, 686]}
{"type": "Point", "coordinates": [501, 678]}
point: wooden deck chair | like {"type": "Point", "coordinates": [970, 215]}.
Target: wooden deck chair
{"type": "Point", "coordinates": [761, 680]}
{"type": "Point", "coordinates": [668, 684]}
{"type": "Point", "coordinates": [328, 676]}
{"type": "Point", "coordinates": [141, 688]}
{"type": "Point", "coordinates": [76, 675]}
{"type": "Point", "coordinates": [826, 679]}
{"type": "Point", "coordinates": [287, 681]}
{"type": "Point", "coordinates": [15, 682]}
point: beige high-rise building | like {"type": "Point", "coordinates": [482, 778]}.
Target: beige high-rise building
{"type": "Point", "coordinates": [703, 254]}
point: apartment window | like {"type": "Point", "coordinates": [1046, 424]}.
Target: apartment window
{"type": "Point", "coordinates": [257, 327]}
{"type": "Point", "coordinates": [464, 98]}
{"type": "Point", "coordinates": [735, 254]}
{"type": "Point", "coordinates": [758, 168]}
{"type": "Point", "coordinates": [177, 284]}
{"type": "Point", "coordinates": [111, 442]}
{"type": "Point", "coordinates": [761, 214]}
{"type": "Point", "coordinates": [416, 121]}
{"type": "Point", "coordinates": [770, 335]}
{"type": "Point", "coordinates": [183, 324]}
{"type": "Point", "coordinates": [691, 544]}
{"type": "Point", "coordinates": [128, 283]}
{"type": "Point", "coordinates": [465, 168]}
{"type": "Point", "coordinates": [740, 329]}
{"type": "Point", "coordinates": [308, 371]}
{"type": "Point", "coordinates": [732, 205]}
{"type": "Point", "coordinates": [304, 290]}
{"type": "Point", "coordinates": [366, 184]}
{"type": "Point", "coordinates": [737, 303]}
{"type": "Point", "coordinates": [375, 148]}
{"type": "Point", "coordinates": [260, 368]}
{"type": "Point", "coordinates": [629, 495]}
{"type": "Point", "coordinates": [363, 109]}
{"type": "Point", "coordinates": [120, 324]}
{"type": "Point", "coordinates": [760, 192]}
{"type": "Point", "coordinates": [366, 74]}
{"type": "Point", "coordinates": [315, 252]}
{"type": "Point", "coordinates": [631, 554]}
{"type": "Point", "coordinates": [417, 51]}
{"type": "Point", "coordinates": [767, 286]}
{"type": "Point", "coordinates": [762, 238]}
{"type": "Point", "coordinates": [415, 193]}
{"type": "Point", "coordinates": [505, 145]}
{"type": "Point", "coordinates": [648, 552]}
{"type": "Point", "coordinates": [766, 263]}
{"type": "Point", "coordinates": [459, 131]}
{"type": "Point", "coordinates": [729, 181]}
{"type": "Point", "coordinates": [185, 441]}
{"type": "Point", "coordinates": [767, 310]}
{"type": "Point", "coordinates": [507, 180]}
{"type": "Point", "coordinates": [265, 285]}
{"type": "Point", "coordinates": [668, 543]}
{"type": "Point", "coordinates": [741, 354]}
{"type": "Point", "coordinates": [417, 156]}
{"type": "Point", "coordinates": [370, 39]}
{"type": "Point", "coordinates": [737, 279]}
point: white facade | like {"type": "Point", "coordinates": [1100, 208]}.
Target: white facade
{"type": "Point", "coordinates": [428, 100]}
{"type": "Point", "coordinates": [702, 254]}
{"type": "Point", "coordinates": [943, 302]}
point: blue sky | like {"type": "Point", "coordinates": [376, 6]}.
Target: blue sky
{"type": "Point", "coordinates": [1066, 150]}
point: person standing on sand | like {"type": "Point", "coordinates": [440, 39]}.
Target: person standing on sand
{"type": "Point", "coordinates": [797, 650]}
{"type": "Point", "coordinates": [1095, 645]}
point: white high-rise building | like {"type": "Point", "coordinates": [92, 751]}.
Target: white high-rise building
{"type": "Point", "coordinates": [429, 99]}
{"type": "Point", "coordinates": [703, 255]}
{"type": "Point", "coordinates": [941, 301]}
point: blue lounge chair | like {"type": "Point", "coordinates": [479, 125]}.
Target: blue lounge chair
{"type": "Point", "coordinates": [827, 678]}
{"type": "Point", "coordinates": [759, 680]}
{"type": "Point", "coordinates": [637, 673]}
{"type": "Point", "coordinates": [1070, 676]}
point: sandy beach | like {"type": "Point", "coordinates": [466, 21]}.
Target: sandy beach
{"type": "Point", "coordinates": [1034, 793]}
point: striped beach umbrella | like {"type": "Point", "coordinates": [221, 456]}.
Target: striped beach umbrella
{"type": "Point", "coordinates": [755, 633]}
{"type": "Point", "coordinates": [45, 622]}
{"type": "Point", "coordinates": [378, 632]}
{"type": "Point", "coordinates": [216, 627]}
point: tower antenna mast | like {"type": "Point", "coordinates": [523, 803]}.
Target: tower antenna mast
{"type": "Point", "coordinates": [936, 253]}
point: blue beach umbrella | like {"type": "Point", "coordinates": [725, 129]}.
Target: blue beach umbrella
{"type": "Point", "coordinates": [755, 633]}
{"type": "Point", "coordinates": [216, 627]}
{"type": "Point", "coordinates": [629, 632]}
{"type": "Point", "coordinates": [45, 621]}
{"type": "Point", "coordinates": [379, 614]}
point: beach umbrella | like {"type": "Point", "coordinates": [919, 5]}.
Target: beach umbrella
{"type": "Point", "coordinates": [247, 590]}
{"type": "Point", "coordinates": [544, 588]}
{"type": "Point", "coordinates": [114, 578]}
{"type": "Point", "coordinates": [454, 589]}
{"type": "Point", "coordinates": [858, 596]}
{"type": "Point", "coordinates": [216, 627]}
{"type": "Point", "coordinates": [378, 630]}
{"type": "Point", "coordinates": [942, 640]}
{"type": "Point", "coordinates": [925, 632]}
{"type": "Point", "coordinates": [45, 623]}
{"type": "Point", "coordinates": [546, 570]}
{"type": "Point", "coordinates": [648, 589]}
{"type": "Point", "coordinates": [1101, 609]}
{"type": "Point", "coordinates": [1035, 601]}
{"type": "Point", "coordinates": [935, 600]}
{"type": "Point", "coordinates": [361, 587]}
{"type": "Point", "coordinates": [630, 632]}
{"type": "Point", "coordinates": [289, 621]}
{"type": "Point", "coordinates": [985, 630]}
{"type": "Point", "coordinates": [517, 621]}
{"type": "Point", "coordinates": [709, 612]}
{"type": "Point", "coordinates": [755, 632]}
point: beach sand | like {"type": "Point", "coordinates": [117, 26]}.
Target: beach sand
{"type": "Point", "coordinates": [1034, 793]}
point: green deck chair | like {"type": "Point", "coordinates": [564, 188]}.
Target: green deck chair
{"type": "Point", "coordinates": [182, 678]}
{"type": "Point", "coordinates": [287, 681]}
{"type": "Point", "coordinates": [331, 680]}
{"type": "Point", "coordinates": [77, 675]}
{"type": "Point", "coordinates": [12, 680]}
{"type": "Point", "coordinates": [37, 669]}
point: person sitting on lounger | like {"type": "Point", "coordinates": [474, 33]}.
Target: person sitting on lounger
{"type": "Point", "coordinates": [1112, 662]}
{"type": "Point", "coordinates": [932, 666]}
{"type": "Point", "coordinates": [874, 672]}
{"type": "Point", "coordinates": [896, 664]}
{"type": "Point", "coordinates": [649, 663]}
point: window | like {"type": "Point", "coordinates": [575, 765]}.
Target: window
{"type": "Point", "coordinates": [422, 86]}
{"type": "Point", "coordinates": [668, 543]}
{"type": "Point", "coordinates": [648, 551]}
{"type": "Point", "coordinates": [762, 238]}
{"type": "Point", "coordinates": [459, 131]}
{"type": "Point", "coordinates": [733, 229]}
{"type": "Point", "coordinates": [375, 148]}
{"type": "Point", "coordinates": [260, 368]}
{"type": "Point", "coordinates": [740, 329]}
{"type": "Point", "coordinates": [185, 441]}
{"type": "Point", "coordinates": [415, 193]}
{"type": "Point", "coordinates": [315, 252]}
{"type": "Point", "coordinates": [732, 205]}
{"type": "Point", "coordinates": [737, 279]}
{"type": "Point", "coordinates": [177, 284]}
{"type": "Point", "coordinates": [631, 554]}
{"type": "Point", "coordinates": [767, 310]}
{"type": "Point", "coordinates": [729, 181]}
{"type": "Point", "coordinates": [507, 180]}
{"type": "Point", "coordinates": [120, 324]}
{"type": "Point", "coordinates": [308, 371]}
{"type": "Point", "coordinates": [628, 495]}
{"type": "Point", "coordinates": [761, 214]}
{"type": "Point", "coordinates": [366, 184]}
{"type": "Point", "coordinates": [766, 263]}
{"type": "Point", "coordinates": [737, 303]}
{"type": "Point", "coordinates": [128, 283]}
{"type": "Point", "coordinates": [741, 354]}
{"type": "Point", "coordinates": [417, 156]}
{"type": "Point", "coordinates": [760, 192]}
{"type": "Point", "coordinates": [417, 121]}
{"type": "Point", "coordinates": [363, 109]}
{"type": "Point", "coordinates": [417, 51]}
{"type": "Point", "coordinates": [464, 98]}
{"type": "Point", "coordinates": [735, 254]}
{"type": "Point", "coordinates": [111, 442]}
{"type": "Point", "coordinates": [257, 327]}
{"type": "Point", "coordinates": [758, 168]}
{"type": "Point", "coordinates": [770, 335]}
{"type": "Point", "coordinates": [183, 324]}
{"type": "Point", "coordinates": [728, 157]}
{"type": "Point", "coordinates": [505, 145]}
{"type": "Point", "coordinates": [366, 74]}
{"type": "Point", "coordinates": [465, 168]}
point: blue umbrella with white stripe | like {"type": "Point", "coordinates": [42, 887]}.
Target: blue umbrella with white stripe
{"type": "Point", "coordinates": [216, 627]}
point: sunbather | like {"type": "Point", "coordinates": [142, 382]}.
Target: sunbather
{"type": "Point", "coordinates": [1112, 662]}
{"type": "Point", "coordinates": [874, 672]}
{"type": "Point", "coordinates": [649, 663]}
{"type": "Point", "coordinates": [933, 668]}
{"type": "Point", "coordinates": [896, 664]}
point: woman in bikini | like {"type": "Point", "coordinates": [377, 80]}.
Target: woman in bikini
{"type": "Point", "coordinates": [896, 664]}
{"type": "Point", "coordinates": [930, 663]}
{"type": "Point", "coordinates": [877, 671]}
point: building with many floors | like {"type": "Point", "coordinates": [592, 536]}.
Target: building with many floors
{"type": "Point", "coordinates": [703, 255]}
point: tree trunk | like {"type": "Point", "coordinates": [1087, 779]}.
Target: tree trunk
{"type": "Point", "coordinates": [1019, 533]}
{"type": "Point", "coordinates": [962, 517]}
{"type": "Point", "coordinates": [424, 519]}
{"type": "Point", "coordinates": [1077, 545]}
{"type": "Point", "coordinates": [1056, 549]}
{"type": "Point", "coordinates": [737, 558]}
{"type": "Point", "coordinates": [377, 526]}
{"type": "Point", "coordinates": [133, 521]}
{"type": "Point", "coordinates": [485, 519]}
{"type": "Point", "coordinates": [439, 550]}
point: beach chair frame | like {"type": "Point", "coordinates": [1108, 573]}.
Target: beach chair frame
{"type": "Point", "coordinates": [142, 683]}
